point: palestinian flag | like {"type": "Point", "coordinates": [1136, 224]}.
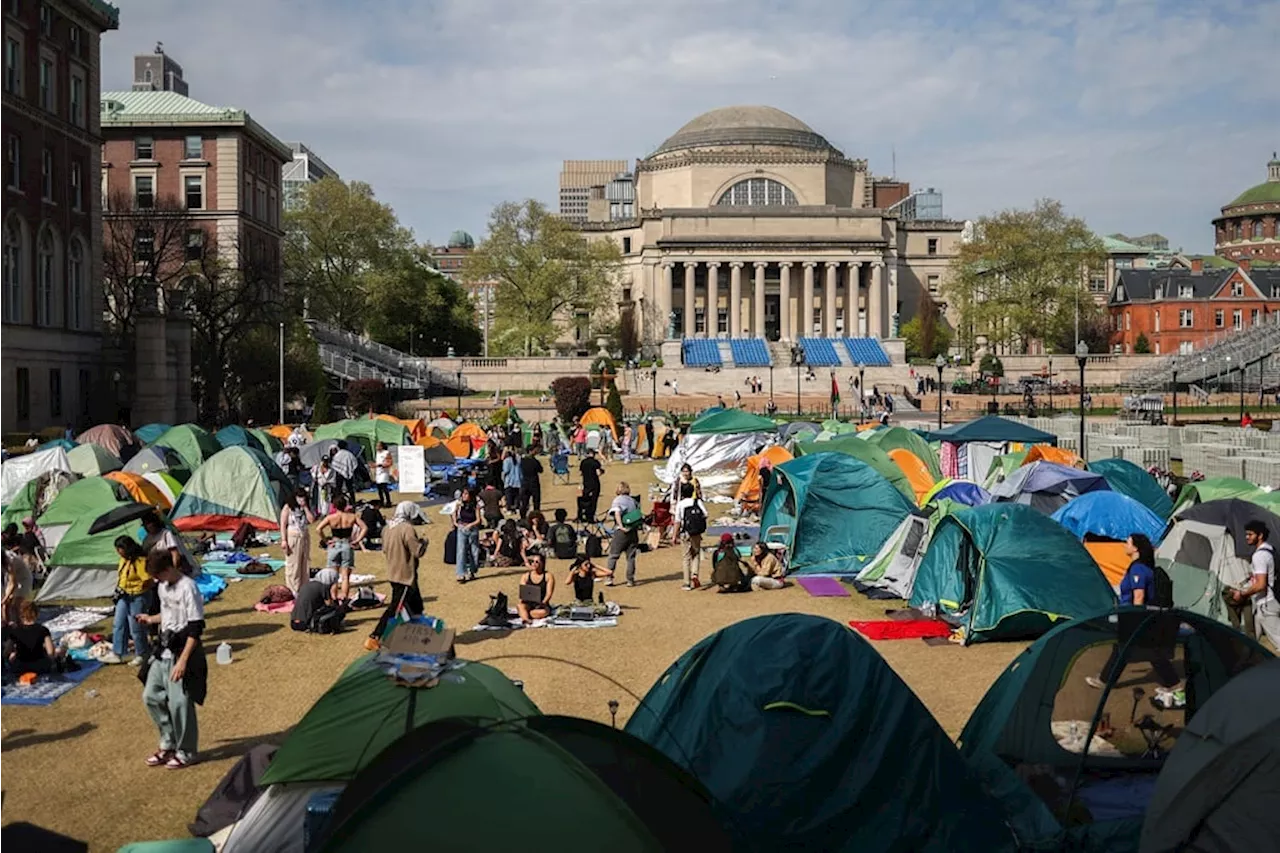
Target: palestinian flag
{"type": "Point", "coordinates": [835, 391]}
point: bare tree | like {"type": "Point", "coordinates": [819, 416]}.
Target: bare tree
{"type": "Point", "coordinates": [147, 244]}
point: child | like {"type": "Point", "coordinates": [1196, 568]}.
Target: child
{"type": "Point", "coordinates": [130, 598]}
{"type": "Point", "coordinates": [177, 675]}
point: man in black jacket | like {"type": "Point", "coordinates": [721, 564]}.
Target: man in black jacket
{"type": "Point", "coordinates": [530, 485]}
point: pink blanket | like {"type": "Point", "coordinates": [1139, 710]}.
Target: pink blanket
{"type": "Point", "coordinates": [282, 607]}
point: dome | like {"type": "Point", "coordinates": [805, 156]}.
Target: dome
{"type": "Point", "coordinates": [461, 240]}
{"type": "Point", "coordinates": [1267, 192]}
{"type": "Point", "coordinates": [750, 125]}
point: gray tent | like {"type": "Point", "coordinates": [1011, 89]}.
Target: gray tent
{"type": "Point", "coordinates": [158, 459]}
{"type": "Point", "coordinates": [1219, 788]}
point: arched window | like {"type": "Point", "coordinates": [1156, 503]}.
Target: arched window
{"type": "Point", "coordinates": [12, 271]}
{"type": "Point", "coordinates": [1257, 229]}
{"type": "Point", "coordinates": [44, 278]}
{"type": "Point", "coordinates": [757, 192]}
{"type": "Point", "coordinates": [77, 310]}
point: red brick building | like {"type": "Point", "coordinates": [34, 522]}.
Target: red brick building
{"type": "Point", "coordinates": [1180, 310]}
{"type": "Point", "coordinates": [1249, 226]}
{"type": "Point", "coordinates": [52, 304]}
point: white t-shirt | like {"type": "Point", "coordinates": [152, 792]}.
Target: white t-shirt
{"type": "Point", "coordinates": [383, 462]}
{"type": "Point", "coordinates": [180, 604]}
{"type": "Point", "coordinates": [164, 541]}
{"type": "Point", "coordinates": [622, 504]}
{"type": "Point", "coordinates": [1264, 563]}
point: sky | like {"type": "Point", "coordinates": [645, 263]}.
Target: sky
{"type": "Point", "coordinates": [1139, 115]}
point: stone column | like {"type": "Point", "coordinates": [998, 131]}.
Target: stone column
{"type": "Point", "coordinates": [852, 301]}
{"type": "Point", "coordinates": [784, 302]}
{"type": "Point", "coordinates": [690, 321]}
{"type": "Point", "coordinates": [829, 302]}
{"type": "Point", "coordinates": [804, 322]}
{"type": "Point", "coordinates": [757, 324]}
{"type": "Point", "coordinates": [875, 301]}
{"type": "Point", "coordinates": [665, 301]}
{"type": "Point", "coordinates": [891, 301]}
{"type": "Point", "coordinates": [735, 299]}
{"type": "Point", "coordinates": [713, 300]}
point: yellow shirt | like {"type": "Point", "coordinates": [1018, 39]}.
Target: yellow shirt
{"type": "Point", "coordinates": [133, 577]}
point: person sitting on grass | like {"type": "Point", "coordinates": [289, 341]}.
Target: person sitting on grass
{"type": "Point", "coordinates": [504, 546]}
{"type": "Point", "coordinates": [313, 601]}
{"type": "Point", "coordinates": [534, 535]}
{"type": "Point", "coordinates": [536, 589]}
{"type": "Point", "coordinates": [582, 577]}
{"type": "Point", "coordinates": [768, 570]}
{"type": "Point", "coordinates": [29, 647]}
{"type": "Point", "coordinates": [132, 585]}
{"type": "Point", "coordinates": [726, 568]}
{"type": "Point", "coordinates": [562, 536]}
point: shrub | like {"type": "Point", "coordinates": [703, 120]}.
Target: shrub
{"type": "Point", "coordinates": [1142, 346]}
{"type": "Point", "coordinates": [499, 416]}
{"type": "Point", "coordinates": [614, 403]}
{"type": "Point", "coordinates": [322, 410]}
{"type": "Point", "coordinates": [366, 395]}
{"type": "Point", "coordinates": [572, 395]}
{"type": "Point", "coordinates": [991, 366]}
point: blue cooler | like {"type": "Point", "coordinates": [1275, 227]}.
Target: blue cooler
{"type": "Point", "coordinates": [319, 810]}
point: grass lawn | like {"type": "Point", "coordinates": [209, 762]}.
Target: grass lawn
{"type": "Point", "coordinates": [77, 766]}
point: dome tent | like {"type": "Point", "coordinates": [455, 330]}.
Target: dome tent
{"type": "Point", "coordinates": [1127, 478]}
{"type": "Point", "coordinates": [1046, 486]}
{"type": "Point", "coordinates": [234, 435]}
{"type": "Point", "coordinates": [150, 432]}
{"type": "Point", "coordinates": [959, 491]}
{"type": "Point", "coordinates": [236, 485]}
{"type": "Point", "coordinates": [1109, 515]}
{"type": "Point", "coordinates": [749, 492]}
{"type": "Point", "coordinates": [158, 459]}
{"type": "Point", "coordinates": [808, 740]}
{"type": "Point", "coordinates": [901, 438]}
{"type": "Point", "coordinates": [113, 438]}
{"type": "Point", "coordinates": [717, 447]}
{"type": "Point", "coordinates": [90, 460]}
{"type": "Point", "coordinates": [82, 565]}
{"type": "Point", "coordinates": [916, 472]}
{"type": "Point", "coordinates": [863, 451]}
{"type": "Point", "coordinates": [1212, 489]}
{"type": "Point", "coordinates": [20, 470]}
{"type": "Point", "coordinates": [141, 489]}
{"type": "Point", "coordinates": [192, 443]}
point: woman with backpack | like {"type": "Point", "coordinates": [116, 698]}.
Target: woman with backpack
{"type": "Point", "coordinates": [1144, 585]}
{"type": "Point", "coordinates": [691, 522]}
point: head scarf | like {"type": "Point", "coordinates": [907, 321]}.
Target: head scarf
{"type": "Point", "coordinates": [405, 511]}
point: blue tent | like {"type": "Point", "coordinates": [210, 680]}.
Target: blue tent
{"type": "Point", "coordinates": [807, 740]}
{"type": "Point", "coordinates": [962, 492]}
{"type": "Point", "coordinates": [1109, 515]}
{"type": "Point", "coordinates": [234, 435]}
{"type": "Point", "coordinates": [150, 432]}
{"type": "Point", "coordinates": [64, 443]}
{"type": "Point", "coordinates": [1127, 478]}
{"type": "Point", "coordinates": [1047, 485]}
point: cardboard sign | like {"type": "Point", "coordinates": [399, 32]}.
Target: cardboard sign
{"type": "Point", "coordinates": [411, 638]}
{"type": "Point", "coordinates": [413, 469]}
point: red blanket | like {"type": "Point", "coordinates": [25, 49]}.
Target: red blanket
{"type": "Point", "coordinates": [909, 629]}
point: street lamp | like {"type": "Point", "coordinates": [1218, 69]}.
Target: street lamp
{"type": "Point", "coordinates": [1173, 362]}
{"type": "Point", "coordinates": [1082, 358]}
{"type": "Point", "coordinates": [940, 363]}
{"type": "Point", "coordinates": [770, 380]}
{"type": "Point", "coordinates": [1050, 386]}
{"type": "Point", "coordinates": [797, 358]}
{"type": "Point", "coordinates": [1243, 368]}
{"type": "Point", "coordinates": [459, 392]}
{"type": "Point", "coordinates": [653, 376]}
{"type": "Point", "coordinates": [862, 390]}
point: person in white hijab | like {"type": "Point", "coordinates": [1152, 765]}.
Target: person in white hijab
{"type": "Point", "coordinates": [403, 548]}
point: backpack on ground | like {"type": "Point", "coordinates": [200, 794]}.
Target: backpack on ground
{"type": "Point", "coordinates": [451, 548]}
{"type": "Point", "coordinates": [1162, 592]}
{"type": "Point", "coordinates": [499, 614]}
{"type": "Point", "coordinates": [695, 520]}
{"type": "Point", "coordinates": [594, 546]}
{"type": "Point", "coordinates": [564, 542]}
{"type": "Point", "coordinates": [327, 620]}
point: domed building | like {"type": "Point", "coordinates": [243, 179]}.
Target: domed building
{"type": "Point", "coordinates": [749, 223]}
{"type": "Point", "coordinates": [1249, 227]}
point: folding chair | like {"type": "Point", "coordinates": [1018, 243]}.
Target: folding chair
{"type": "Point", "coordinates": [560, 467]}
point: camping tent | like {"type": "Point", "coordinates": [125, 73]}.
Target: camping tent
{"type": "Point", "coordinates": [1026, 738]}
{"type": "Point", "coordinates": [1219, 786]}
{"type": "Point", "coordinates": [1128, 479]}
{"type": "Point", "coordinates": [1048, 453]}
{"type": "Point", "coordinates": [141, 489]}
{"type": "Point", "coordinates": [1204, 552]}
{"type": "Point", "coordinates": [82, 565]}
{"type": "Point", "coordinates": [358, 717]}
{"type": "Point", "coordinates": [601, 417]}
{"type": "Point", "coordinates": [159, 459]}
{"type": "Point", "coordinates": [17, 471]}
{"type": "Point", "coordinates": [165, 483]}
{"type": "Point", "coordinates": [1004, 465]}
{"type": "Point", "coordinates": [270, 443]}
{"type": "Point", "coordinates": [150, 432]}
{"type": "Point", "coordinates": [1003, 571]}
{"type": "Point", "coordinates": [901, 438]}
{"type": "Point", "coordinates": [718, 445]}
{"type": "Point", "coordinates": [470, 429]}
{"type": "Point", "coordinates": [749, 493]}
{"type": "Point", "coordinates": [64, 443]}
{"type": "Point", "coordinates": [1045, 486]}
{"type": "Point", "coordinates": [916, 472]}
{"type": "Point", "coordinates": [441, 427]}
{"type": "Point", "coordinates": [731, 422]}
{"type": "Point", "coordinates": [365, 432]}
{"type": "Point", "coordinates": [863, 451]}
{"type": "Point", "coordinates": [1109, 515]}
{"type": "Point", "coordinates": [1212, 489]}
{"type": "Point", "coordinates": [992, 428]}
{"type": "Point", "coordinates": [236, 485]}
{"type": "Point", "coordinates": [622, 793]}
{"type": "Point", "coordinates": [280, 431]}
{"type": "Point", "coordinates": [113, 438]}
{"type": "Point", "coordinates": [36, 496]}
{"type": "Point", "coordinates": [416, 426]}
{"type": "Point", "coordinates": [234, 435]}
{"type": "Point", "coordinates": [90, 460]}
{"type": "Point", "coordinates": [960, 491]}
{"type": "Point", "coordinates": [808, 740]}
{"type": "Point", "coordinates": [833, 512]}
{"type": "Point", "coordinates": [192, 443]}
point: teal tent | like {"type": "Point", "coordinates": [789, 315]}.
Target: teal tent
{"type": "Point", "coordinates": [64, 443]}
{"type": "Point", "coordinates": [1128, 479]}
{"type": "Point", "coordinates": [902, 438]}
{"type": "Point", "coordinates": [234, 486]}
{"type": "Point", "coordinates": [834, 512]}
{"type": "Point", "coordinates": [150, 432]}
{"type": "Point", "coordinates": [194, 444]}
{"type": "Point", "coordinates": [234, 435]}
{"type": "Point", "coordinates": [863, 451]}
{"type": "Point", "coordinates": [808, 740]}
{"type": "Point", "coordinates": [730, 421]}
{"type": "Point", "coordinates": [1005, 571]}
{"type": "Point", "coordinates": [993, 428]}
{"type": "Point", "coordinates": [1026, 738]}
{"type": "Point", "coordinates": [364, 434]}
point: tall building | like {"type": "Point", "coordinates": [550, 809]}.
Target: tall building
{"type": "Point", "coordinates": [577, 177]}
{"type": "Point", "coordinates": [51, 345]}
{"type": "Point", "coordinates": [157, 72]}
{"type": "Point", "coordinates": [1249, 226]}
{"type": "Point", "coordinates": [449, 259]}
{"type": "Point", "coordinates": [305, 168]}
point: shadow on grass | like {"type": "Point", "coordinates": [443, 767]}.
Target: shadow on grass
{"type": "Point", "coordinates": [27, 737]}
{"type": "Point", "coordinates": [236, 747]}
{"type": "Point", "coordinates": [471, 638]}
{"type": "Point", "coordinates": [246, 631]}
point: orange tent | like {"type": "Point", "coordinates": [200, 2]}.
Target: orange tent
{"type": "Point", "coordinates": [459, 446]}
{"type": "Point", "coordinates": [280, 431]}
{"type": "Point", "coordinates": [1050, 453]}
{"type": "Point", "coordinates": [427, 440]}
{"type": "Point", "coordinates": [416, 426]}
{"type": "Point", "coordinates": [749, 491]}
{"type": "Point", "coordinates": [1111, 558]}
{"type": "Point", "coordinates": [601, 417]}
{"type": "Point", "coordinates": [916, 471]}
{"type": "Point", "coordinates": [469, 430]}
{"type": "Point", "coordinates": [141, 490]}
{"type": "Point", "coordinates": [867, 426]}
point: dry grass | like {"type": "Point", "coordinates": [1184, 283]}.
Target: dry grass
{"type": "Point", "coordinates": [77, 766]}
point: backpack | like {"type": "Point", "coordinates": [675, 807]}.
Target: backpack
{"type": "Point", "coordinates": [276, 594]}
{"type": "Point", "coordinates": [1162, 593]}
{"type": "Point", "coordinates": [327, 620]}
{"type": "Point", "coordinates": [564, 542]}
{"type": "Point", "coordinates": [594, 546]}
{"type": "Point", "coordinates": [695, 520]}
{"type": "Point", "coordinates": [451, 547]}
{"type": "Point", "coordinates": [498, 615]}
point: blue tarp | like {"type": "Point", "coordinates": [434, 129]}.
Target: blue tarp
{"type": "Point", "coordinates": [963, 492]}
{"type": "Point", "coordinates": [1110, 515]}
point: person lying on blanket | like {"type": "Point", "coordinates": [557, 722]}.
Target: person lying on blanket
{"type": "Point", "coordinates": [536, 589]}
{"type": "Point", "coordinates": [30, 645]}
{"type": "Point", "coordinates": [582, 577]}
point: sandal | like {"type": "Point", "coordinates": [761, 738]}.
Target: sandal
{"type": "Point", "coordinates": [177, 762]}
{"type": "Point", "coordinates": [159, 757]}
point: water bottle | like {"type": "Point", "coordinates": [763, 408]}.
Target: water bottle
{"type": "Point", "coordinates": [224, 653]}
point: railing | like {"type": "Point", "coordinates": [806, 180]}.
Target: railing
{"type": "Point", "coordinates": [338, 363]}
{"type": "Point", "coordinates": [393, 366]}
{"type": "Point", "coordinates": [1226, 355]}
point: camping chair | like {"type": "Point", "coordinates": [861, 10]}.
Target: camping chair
{"type": "Point", "coordinates": [662, 520]}
{"type": "Point", "coordinates": [560, 467]}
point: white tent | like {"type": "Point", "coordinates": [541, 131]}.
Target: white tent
{"type": "Point", "coordinates": [20, 470]}
{"type": "Point", "coordinates": [717, 459]}
{"type": "Point", "coordinates": [1201, 560]}
{"type": "Point", "coordinates": [273, 824]}
{"type": "Point", "coordinates": [894, 568]}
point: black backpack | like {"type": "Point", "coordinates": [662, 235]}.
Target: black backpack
{"type": "Point", "coordinates": [498, 615]}
{"type": "Point", "coordinates": [594, 546]}
{"type": "Point", "coordinates": [695, 520]}
{"type": "Point", "coordinates": [564, 542]}
{"type": "Point", "coordinates": [1163, 588]}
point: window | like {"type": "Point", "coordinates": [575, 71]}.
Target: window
{"type": "Point", "coordinates": [933, 284]}
{"type": "Point", "coordinates": [1184, 291]}
{"type": "Point", "coordinates": [247, 201]}
{"type": "Point", "coordinates": [1257, 230]}
{"type": "Point", "coordinates": [1237, 319]}
{"type": "Point", "coordinates": [195, 244]}
{"type": "Point", "coordinates": [193, 189]}
{"type": "Point", "coordinates": [13, 271]}
{"type": "Point", "coordinates": [13, 162]}
{"type": "Point", "coordinates": [1124, 263]}
{"type": "Point", "coordinates": [1218, 321]}
{"type": "Point", "coordinates": [44, 279]}
{"type": "Point", "coordinates": [77, 100]}
{"type": "Point", "coordinates": [272, 207]}
{"type": "Point", "coordinates": [144, 244]}
{"type": "Point", "coordinates": [46, 20]}
{"type": "Point", "coordinates": [193, 148]}
{"type": "Point", "coordinates": [1097, 283]}
{"type": "Point", "coordinates": [55, 392]}
{"type": "Point", "coordinates": [86, 391]}
{"type": "Point", "coordinates": [260, 204]}
{"type": "Point", "coordinates": [46, 85]}
{"type": "Point", "coordinates": [757, 192]}
{"type": "Point", "coordinates": [1185, 318]}
{"type": "Point", "coordinates": [1253, 317]}
{"type": "Point", "coordinates": [76, 290]}
{"type": "Point", "coordinates": [626, 245]}
{"type": "Point", "coordinates": [46, 174]}
{"type": "Point", "coordinates": [1157, 321]}
{"type": "Point", "coordinates": [1157, 347]}
{"type": "Point", "coordinates": [74, 39]}
{"type": "Point", "coordinates": [12, 66]}
{"type": "Point", "coordinates": [144, 191]}
{"type": "Point", "coordinates": [933, 246]}
{"type": "Point", "coordinates": [1237, 288]}
{"type": "Point", "coordinates": [22, 385]}
{"type": "Point", "coordinates": [143, 148]}
{"type": "Point", "coordinates": [146, 76]}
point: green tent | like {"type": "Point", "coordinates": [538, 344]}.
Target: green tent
{"type": "Point", "coordinates": [1004, 571]}
{"type": "Point", "coordinates": [235, 485]}
{"type": "Point", "coordinates": [834, 512]}
{"type": "Point", "coordinates": [190, 442]}
{"type": "Point", "coordinates": [366, 432]}
{"type": "Point", "coordinates": [808, 740]}
{"type": "Point", "coordinates": [364, 712]}
{"type": "Point", "coordinates": [83, 565]}
{"type": "Point", "coordinates": [1004, 465]}
{"type": "Point", "coordinates": [1212, 489]}
{"type": "Point", "coordinates": [158, 459]}
{"type": "Point", "coordinates": [992, 428]}
{"type": "Point", "coordinates": [863, 451]}
{"type": "Point", "coordinates": [270, 444]}
{"type": "Point", "coordinates": [1014, 738]}
{"type": "Point", "coordinates": [82, 498]}
{"type": "Point", "coordinates": [730, 421]}
{"type": "Point", "coordinates": [1128, 479]}
{"type": "Point", "coordinates": [90, 460]}
{"type": "Point", "coordinates": [898, 437]}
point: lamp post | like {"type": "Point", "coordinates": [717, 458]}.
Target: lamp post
{"type": "Point", "coordinates": [282, 374]}
{"type": "Point", "coordinates": [940, 363]}
{"type": "Point", "coordinates": [1173, 362]}
{"type": "Point", "coordinates": [1051, 386]}
{"type": "Point", "coordinates": [1243, 368]}
{"type": "Point", "coordinates": [459, 392]}
{"type": "Point", "coordinates": [653, 377]}
{"type": "Point", "coordinates": [770, 381]}
{"type": "Point", "coordinates": [1082, 358]}
{"type": "Point", "coordinates": [862, 390]}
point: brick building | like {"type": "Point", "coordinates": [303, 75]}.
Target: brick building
{"type": "Point", "coordinates": [52, 306]}
{"type": "Point", "coordinates": [1183, 309]}
{"type": "Point", "coordinates": [1249, 226]}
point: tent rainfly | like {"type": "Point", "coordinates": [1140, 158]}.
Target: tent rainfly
{"type": "Point", "coordinates": [993, 428]}
{"type": "Point", "coordinates": [236, 485]}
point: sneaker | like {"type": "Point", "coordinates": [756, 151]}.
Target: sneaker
{"type": "Point", "coordinates": [109, 658]}
{"type": "Point", "coordinates": [372, 645]}
{"type": "Point", "coordinates": [609, 582]}
{"type": "Point", "coordinates": [137, 661]}
{"type": "Point", "coordinates": [631, 583]}
{"type": "Point", "coordinates": [686, 587]}
{"type": "Point", "coordinates": [1094, 682]}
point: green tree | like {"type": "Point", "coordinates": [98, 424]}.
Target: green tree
{"type": "Point", "coordinates": [409, 298]}
{"type": "Point", "coordinates": [991, 366]}
{"type": "Point", "coordinates": [1022, 276]}
{"type": "Point", "coordinates": [338, 238]}
{"type": "Point", "coordinates": [572, 396]}
{"type": "Point", "coordinates": [925, 335]}
{"type": "Point", "coordinates": [543, 269]}
{"type": "Point", "coordinates": [322, 409]}
{"type": "Point", "coordinates": [1142, 346]}
{"type": "Point", "coordinates": [256, 365]}
{"type": "Point", "coordinates": [613, 402]}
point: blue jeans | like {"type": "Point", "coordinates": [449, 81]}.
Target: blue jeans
{"type": "Point", "coordinates": [468, 540]}
{"type": "Point", "coordinates": [126, 624]}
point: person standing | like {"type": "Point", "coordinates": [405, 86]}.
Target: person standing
{"type": "Point", "coordinates": [490, 499]}
{"type": "Point", "coordinates": [161, 539]}
{"type": "Point", "coordinates": [1138, 588]}
{"type": "Point", "coordinates": [296, 519]}
{"type": "Point", "coordinates": [346, 530]}
{"type": "Point", "coordinates": [691, 521]}
{"type": "Point", "coordinates": [590, 469]}
{"type": "Point", "coordinates": [403, 548]}
{"type": "Point", "coordinates": [382, 474]}
{"type": "Point", "coordinates": [628, 436]}
{"type": "Point", "coordinates": [18, 583]}
{"type": "Point", "coordinates": [626, 539]}
{"type": "Point", "coordinates": [530, 484]}
{"type": "Point", "coordinates": [177, 674]}
{"type": "Point", "coordinates": [1262, 589]}
{"type": "Point", "coordinates": [511, 479]}
{"type": "Point", "coordinates": [132, 582]}
{"type": "Point", "coordinates": [466, 520]}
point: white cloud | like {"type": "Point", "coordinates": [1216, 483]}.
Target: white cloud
{"type": "Point", "coordinates": [1130, 111]}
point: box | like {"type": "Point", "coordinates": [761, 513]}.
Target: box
{"type": "Point", "coordinates": [418, 638]}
